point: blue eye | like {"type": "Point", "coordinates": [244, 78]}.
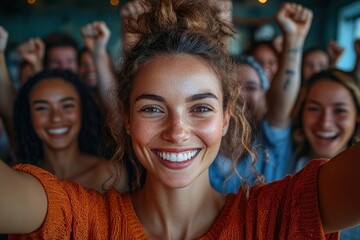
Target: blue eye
{"type": "Point", "coordinates": [203, 109]}
{"type": "Point", "coordinates": [151, 110]}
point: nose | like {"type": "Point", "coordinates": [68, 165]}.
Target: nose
{"type": "Point", "coordinates": [326, 119]}
{"type": "Point", "coordinates": [177, 129]}
{"type": "Point", "coordinates": [56, 116]}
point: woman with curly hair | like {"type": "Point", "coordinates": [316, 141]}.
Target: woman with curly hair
{"type": "Point", "coordinates": [58, 127]}
{"type": "Point", "coordinates": [179, 97]}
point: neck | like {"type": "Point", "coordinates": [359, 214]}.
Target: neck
{"type": "Point", "coordinates": [184, 213]}
{"type": "Point", "coordinates": [63, 162]}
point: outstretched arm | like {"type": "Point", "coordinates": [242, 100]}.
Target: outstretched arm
{"type": "Point", "coordinates": [23, 202]}
{"type": "Point", "coordinates": [339, 195]}
{"type": "Point", "coordinates": [294, 21]}
{"type": "Point", "coordinates": [7, 91]}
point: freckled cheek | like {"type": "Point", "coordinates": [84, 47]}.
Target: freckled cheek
{"type": "Point", "coordinates": [142, 131]}
{"type": "Point", "coordinates": [210, 131]}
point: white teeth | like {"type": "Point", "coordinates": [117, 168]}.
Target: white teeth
{"type": "Point", "coordinates": [177, 157]}
{"type": "Point", "coordinates": [326, 134]}
{"type": "Point", "coordinates": [57, 131]}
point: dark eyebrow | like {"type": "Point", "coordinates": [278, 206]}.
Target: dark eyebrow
{"type": "Point", "coordinates": [201, 96]}
{"type": "Point", "coordinates": [337, 104]}
{"type": "Point", "coordinates": [46, 102]}
{"type": "Point", "coordinates": [151, 97]}
{"type": "Point", "coordinates": [194, 97]}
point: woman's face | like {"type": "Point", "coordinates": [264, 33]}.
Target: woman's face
{"type": "Point", "coordinates": [314, 62]}
{"type": "Point", "coordinates": [176, 119]}
{"type": "Point", "coordinates": [55, 110]}
{"type": "Point", "coordinates": [329, 118]}
{"type": "Point", "coordinates": [87, 70]}
{"type": "Point", "coordinates": [254, 94]}
{"type": "Point", "coordinates": [267, 59]}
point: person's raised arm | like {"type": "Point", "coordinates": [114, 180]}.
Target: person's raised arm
{"type": "Point", "coordinates": [23, 202]}
{"type": "Point", "coordinates": [7, 90]}
{"type": "Point", "coordinates": [294, 21]}
{"type": "Point", "coordinates": [96, 36]}
{"type": "Point", "coordinates": [339, 195]}
{"type": "Point", "coordinates": [335, 51]}
{"type": "Point", "coordinates": [33, 52]}
{"type": "Point", "coordinates": [356, 70]}
{"type": "Point", "coordinates": [225, 8]}
{"type": "Point", "coordinates": [130, 13]}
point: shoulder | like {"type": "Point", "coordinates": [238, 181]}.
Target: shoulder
{"type": "Point", "coordinates": [292, 204]}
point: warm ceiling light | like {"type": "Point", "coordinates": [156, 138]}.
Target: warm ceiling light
{"type": "Point", "coordinates": [31, 1]}
{"type": "Point", "coordinates": [114, 2]}
{"type": "Point", "coordinates": [262, 1]}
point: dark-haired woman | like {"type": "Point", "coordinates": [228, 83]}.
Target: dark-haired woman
{"type": "Point", "coordinates": [58, 127]}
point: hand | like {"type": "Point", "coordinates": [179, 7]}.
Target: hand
{"type": "Point", "coordinates": [335, 51]}
{"type": "Point", "coordinates": [33, 51]}
{"type": "Point", "coordinates": [4, 35]}
{"type": "Point", "coordinates": [96, 36]}
{"type": "Point", "coordinates": [130, 13]}
{"type": "Point", "coordinates": [294, 20]}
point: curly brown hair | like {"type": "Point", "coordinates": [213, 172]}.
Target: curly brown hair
{"type": "Point", "coordinates": [174, 27]}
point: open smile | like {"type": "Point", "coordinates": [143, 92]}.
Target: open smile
{"type": "Point", "coordinates": [177, 156]}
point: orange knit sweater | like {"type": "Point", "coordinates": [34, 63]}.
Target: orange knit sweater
{"type": "Point", "coordinates": [286, 209]}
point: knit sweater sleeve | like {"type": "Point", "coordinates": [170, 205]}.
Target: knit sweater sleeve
{"type": "Point", "coordinates": [288, 208]}
{"type": "Point", "coordinates": [73, 212]}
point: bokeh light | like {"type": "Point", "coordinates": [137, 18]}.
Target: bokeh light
{"type": "Point", "coordinates": [114, 2]}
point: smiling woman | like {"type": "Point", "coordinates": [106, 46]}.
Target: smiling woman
{"type": "Point", "coordinates": [327, 120]}
{"type": "Point", "coordinates": [59, 128]}
{"type": "Point", "coordinates": [179, 95]}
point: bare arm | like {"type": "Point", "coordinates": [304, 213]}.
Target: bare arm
{"type": "Point", "coordinates": [339, 195]}
{"type": "Point", "coordinates": [225, 8]}
{"type": "Point", "coordinates": [356, 70]}
{"type": "Point", "coordinates": [335, 51]}
{"type": "Point", "coordinates": [96, 36]}
{"type": "Point", "coordinates": [294, 21]}
{"type": "Point", "coordinates": [7, 91]}
{"type": "Point", "coordinates": [23, 202]}
{"type": "Point", "coordinates": [130, 12]}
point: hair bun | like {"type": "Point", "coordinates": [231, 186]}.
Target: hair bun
{"type": "Point", "coordinates": [182, 15]}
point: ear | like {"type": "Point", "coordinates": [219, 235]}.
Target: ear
{"type": "Point", "coordinates": [227, 115]}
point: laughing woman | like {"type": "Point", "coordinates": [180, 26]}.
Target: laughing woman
{"type": "Point", "coordinates": [328, 121]}
{"type": "Point", "coordinates": [179, 98]}
{"type": "Point", "coordinates": [59, 128]}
